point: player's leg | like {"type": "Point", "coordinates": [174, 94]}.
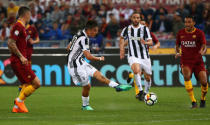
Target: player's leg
{"type": "Point", "coordinates": [110, 83]}
{"type": "Point", "coordinates": [204, 87]}
{"type": "Point", "coordinates": [25, 92]}
{"type": "Point", "coordinates": [147, 82]}
{"type": "Point", "coordinates": [85, 97]}
{"type": "Point", "coordinates": [187, 73]}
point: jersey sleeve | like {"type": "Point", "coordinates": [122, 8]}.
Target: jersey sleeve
{"type": "Point", "coordinates": [15, 32]}
{"type": "Point", "coordinates": [147, 33]}
{"type": "Point", "coordinates": [84, 44]}
{"type": "Point", "coordinates": [202, 38]}
{"type": "Point", "coordinates": [124, 33]}
{"type": "Point", "coordinates": [178, 39]}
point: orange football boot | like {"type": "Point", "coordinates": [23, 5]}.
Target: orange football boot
{"type": "Point", "coordinates": [21, 106]}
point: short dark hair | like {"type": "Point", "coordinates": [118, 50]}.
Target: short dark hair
{"type": "Point", "coordinates": [22, 10]}
{"type": "Point", "coordinates": [135, 12]}
{"type": "Point", "coordinates": [91, 24]}
{"type": "Point", "coordinates": [191, 16]}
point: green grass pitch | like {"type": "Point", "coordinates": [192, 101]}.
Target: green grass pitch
{"type": "Point", "coordinates": [62, 106]}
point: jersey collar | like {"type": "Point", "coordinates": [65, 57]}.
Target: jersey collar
{"type": "Point", "coordinates": [191, 31]}
{"type": "Point", "coordinates": [19, 21]}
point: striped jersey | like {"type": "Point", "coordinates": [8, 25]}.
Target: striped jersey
{"type": "Point", "coordinates": [134, 35]}
{"type": "Point", "coordinates": [79, 43]}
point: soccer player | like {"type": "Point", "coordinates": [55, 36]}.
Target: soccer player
{"type": "Point", "coordinates": [33, 39]}
{"type": "Point", "coordinates": [193, 46]}
{"type": "Point", "coordinates": [17, 45]}
{"type": "Point", "coordinates": [80, 70]}
{"type": "Point", "coordinates": [156, 45]}
{"type": "Point", "coordinates": [139, 38]}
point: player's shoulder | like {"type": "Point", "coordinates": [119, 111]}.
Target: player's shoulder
{"type": "Point", "coordinates": [199, 31]}
{"type": "Point", "coordinates": [181, 31]}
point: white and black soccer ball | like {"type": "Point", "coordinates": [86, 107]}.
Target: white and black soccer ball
{"type": "Point", "coordinates": [150, 98]}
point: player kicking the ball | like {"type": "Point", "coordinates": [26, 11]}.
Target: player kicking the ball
{"type": "Point", "coordinates": [80, 70]}
{"type": "Point", "coordinates": [193, 46]}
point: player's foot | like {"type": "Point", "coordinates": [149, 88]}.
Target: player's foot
{"type": "Point", "coordinates": [15, 110]}
{"type": "Point", "coordinates": [141, 95]}
{"type": "Point", "coordinates": [123, 88]}
{"type": "Point", "coordinates": [21, 106]}
{"type": "Point", "coordinates": [87, 108]}
{"type": "Point", "coordinates": [194, 105]}
{"type": "Point", "coordinates": [202, 104]}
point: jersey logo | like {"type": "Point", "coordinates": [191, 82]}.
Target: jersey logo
{"type": "Point", "coordinates": [29, 31]}
{"type": "Point", "coordinates": [194, 36]}
{"type": "Point", "coordinates": [16, 32]}
{"type": "Point", "coordinates": [182, 37]}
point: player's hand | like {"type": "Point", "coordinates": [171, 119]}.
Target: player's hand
{"type": "Point", "coordinates": [102, 58]}
{"type": "Point", "coordinates": [122, 54]}
{"type": "Point", "coordinates": [154, 48]}
{"type": "Point", "coordinates": [31, 41]}
{"type": "Point", "coordinates": [23, 60]}
{"type": "Point", "coordinates": [202, 51]}
{"type": "Point", "coordinates": [143, 41]}
{"type": "Point", "coordinates": [177, 55]}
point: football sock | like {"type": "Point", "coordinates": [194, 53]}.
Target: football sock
{"type": "Point", "coordinates": [189, 88]}
{"type": "Point", "coordinates": [85, 101]}
{"type": "Point", "coordinates": [136, 87]}
{"type": "Point", "coordinates": [138, 81]}
{"type": "Point", "coordinates": [113, 84]}
{"type": "Point", "coordinates": [204, 90]}
{"type": "Point", "coordinates": [27, 91]}
{"type": "Point", "coordinates": [147, 85]}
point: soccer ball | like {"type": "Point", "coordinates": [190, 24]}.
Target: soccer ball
{"type": "Point", "coordinates": [150, 98]}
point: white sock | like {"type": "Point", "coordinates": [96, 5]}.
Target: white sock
{"type": "Point", "coordinates": [19, 100]}
{"type": "Point", "coordinates": [147, 85]}
{"type": "Point", "coordinates": [113, 84]}
{"type": "Point", "coordinates": [138, 81]}
{"type": "Point", "coordinates": [85, 101]}
{"type": "Point", "coordinates": [16, 106]}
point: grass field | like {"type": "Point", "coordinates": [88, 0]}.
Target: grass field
{"type": "Point", "coordinates": [62, 106]}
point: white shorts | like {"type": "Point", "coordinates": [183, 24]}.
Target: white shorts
{"type": "Point", "coordinates": [81, 74]}
{"type": "Point", "coordinates": [145, 64]}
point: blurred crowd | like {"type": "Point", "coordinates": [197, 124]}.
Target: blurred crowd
{"type": "Point", "coordinates": [59, 20]}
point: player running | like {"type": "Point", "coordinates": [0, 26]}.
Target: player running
{"type": "Point", "coordinates": [156, 45]}
{"type": "Point", "coordinates": [139, 38]}
{"type": "Point", "coordinates": [80, 70]}
{"type": "Point", "coordinates": [193, 46]}
{"type": "Point", "coordinates": [17, 45]}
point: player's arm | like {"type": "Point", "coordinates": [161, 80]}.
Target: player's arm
{"type": "Point", "coordinates": [203, 46]}
{"type": "Point", "coordinates": [89, 56]}
{"type": "Point", "coordinates": [177, 48]}
{"type": "Point", "coordinates": [122, 48]}
{"type": "Point", "coordinates": [157, 45]}
{"type": "Point", "coordinates": [148, 37]}
{"type": "Point", "coordinates": [37, 40]}
{"type": "Point", "coordinates": [13, 49]}
{"type": "Point", "coordinates": [125, 43]}
{"type": "Point", "coordinates": [68, 46]}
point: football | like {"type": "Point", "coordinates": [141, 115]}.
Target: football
{"type": "Point", "coordinates": [150, 98]}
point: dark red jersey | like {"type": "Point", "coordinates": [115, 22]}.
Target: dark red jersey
{"type": "Point", "coordinates": [18, 33]}
{"type": "Point", "coordinates": [32, 33]}
{"type": "Point", "coordinates": [190, 45]}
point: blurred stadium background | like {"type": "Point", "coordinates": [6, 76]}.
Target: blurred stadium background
{"type": "Point", "coordinates": [58, 20]}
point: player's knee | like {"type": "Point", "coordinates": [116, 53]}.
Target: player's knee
{"type": "Point", "coordinates": [36, 83]}
{"type": "Point", "coordinates": [147, 78]}
{"type": "Point", "coordinates": [135, 71]}
{"type": "Point", "coordinates": [203, 82]}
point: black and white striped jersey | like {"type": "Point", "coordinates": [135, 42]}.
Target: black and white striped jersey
{"type": "Point", "coordinates": [79, 43]}
{"type": "Point", "coordinates": [134, 35]}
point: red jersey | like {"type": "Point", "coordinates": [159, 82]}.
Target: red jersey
{"type": "Point", "coordinates": [18, 33]}
{"type": "Point", "coordinates": [32, 33]}
{"type": "Point", "coordinates": [154, 38]}
{"type": "Point", "coordinates": [190, 45]}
